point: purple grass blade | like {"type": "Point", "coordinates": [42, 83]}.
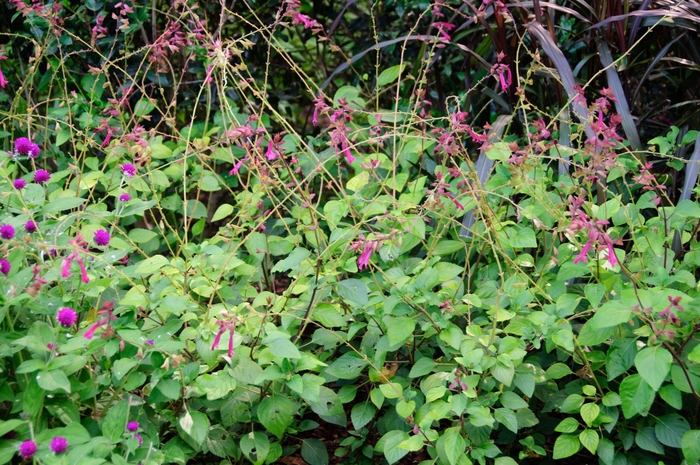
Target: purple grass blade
{"type": "Point", "coordinates": [621, 105]}
{"type": "Point", "coordinates": [691, 179]}
{"type": "Point", "coordinates": [565, 74]}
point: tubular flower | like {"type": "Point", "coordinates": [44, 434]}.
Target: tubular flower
{"type": "Point", "coordinates": [224, 326]}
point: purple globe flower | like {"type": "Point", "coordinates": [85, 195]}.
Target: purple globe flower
{"type": "Point", "coordinates": [132, 426]}
{"type": "Point", "coordinates": [20, 184]}
{"type": "Point", "coordinates": [66, 317]}
{"type": "Point", "coordinates": [101, 237]}
{"type": "Point", "coordinates": [30, 227]}
{"type": "Point", "coordinates": [125, 197]}
{"type": "Point", "coordinates": [129, 170]}
{"type": "Point", "coordinates": [27, 449]}
{"type": "Point", "coordinates": [7, 231]}
{"type": "Point", "coordinates": [5, 266]}
{"type": "Point", "coordinates": [42, 176]}
{"type": "Point", "coordinates": [23, 146]}
{"type": "Point", "coordinates": [34, 151]}
{"type": "Point", "coordinates": [58, 445]}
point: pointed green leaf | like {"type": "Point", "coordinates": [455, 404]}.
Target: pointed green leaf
{"type": "Point", "coordinates": [636, 396]}
{"type": "Point", "coordinates": [589, 438]}
{"type": "Point", "coordinates": [589, 412]}
{"type": "Point", "coordinates": [653, 364]}
{"type": "Point", "coordinates": [362, 414]}
{"type": "Point", "coordinates": [690, 444]}
{"type": "Point", "coordinates": [314, 451]}
{"type": "Point", "coordinates": [275, 413]}
{"type": "Point", "coordinates": [566, 446]}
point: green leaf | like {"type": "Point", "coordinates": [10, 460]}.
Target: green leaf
{"type": "Point", "coordinates": [151, 265]}
{"type": "Point", "coordinates": [447, 247]}
{"type": "Point", "coordinates": [557, 371]}
{"type": "Point", "coordinates": [507, 418]}
{"type": "Point", "coordinates": [589, 438]}
{"type": "Point", "coordinates": [143, 107]}
{"type": "Point", "coordinates": [390, 75]}
{"type": "Point", "coordinates": [636, 395]}
{"type": "Point", "coordinates": [653, 364]}
{"type": "Point", "coordinates": [670, 429]}
{"type": "Point", "coordinates": [62, 204]}
{"type": "Point", "coordinates": [53, 380]}
{"type": "Point", "coordinates": [314, 451]}
{"type": "Point", "coordinates": [606, 451]}
{"type": "Point", "coordinates": [566, 446]}
{"type": "Point", "coordinates": [646, 439]}
{"type": "Point", "coordinates": [690, 444]}
{"type": "Point", "coordinates": [451, 446]}
{"type": "Point", "coordinates": [523, 238]}
{"type": "Point", "coordinates": [222, 212]}
{"type": "Point", "coordinates": [115, 421]}
{"type": "Point", "coordinates": [672, 396]}
{"type": "Point", "coordinates": [255, 446]}
{"type": "Point", "coordinates": [141, 236]}
{"type": "Point", "coordinates": [505, 461]}
{"type": "Point", "coordinates": [399, 329]}
{"type": "Point", "coordinates": [281, 347]}
{"type": "Point", "coordinates": [293, 261]}
{"type": "Point", "coordinates": [347, 366]}
{"type": "Point", "coordinates": [511, 400]}
{"type": "Point", "coordinates": [195, 425]}
{"type": "Point", "coordinates": [404, 408]}
{"type": "Point", "coordinates": [353, 291]}
{"type": "Point", "coordinates": [389, 445]}
{"type": "Point", "coordinates": [572, 404]}
{"type": "Point", "coordinates": [589, 412]}
{"type": "Point", "coordinates": [620, 357]}
{"type": "Point", "coordinates": [9, 425]}
{"type": "Point", "coordinates": [611, 313]}
{"type": "Point", "coordinates": [567, 425]}
{"type": "Point", "coordinates": [275, 414]}
{"type": "Point", "coordinates": [362, 414]}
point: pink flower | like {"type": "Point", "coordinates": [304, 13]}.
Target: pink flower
{"type": "Point", "coordinates": [129, 170]}
{"type": "Point", "coordinates": [124, 197]}
{"type": "Point", "coordinates": [58, 445]}
{"type": "Point", "coordinates": [101, 237]}
{"type": "Point", "coordinates": [30, 227]}
{"type": "Point", "coordinates": [5, 266]}
{"type": "Point", "coordinates": [7, 231]}
{"type": "Point", "coordinates": [132, 426]}
{"type": "Point", "coordinates": [20, 184]}
{"type": "Point", "coordinates": [41, 176]}
{"type": "Point", "coordinates": [224, 326]}
{"type": "Point", "coordinates": [27, 449]}
{"type": "Point", "coordinates": [3, 81]}
{"type": "Point", "coordinates": [581, 257]}
{"type": "Point", "coordinates": [23, 146]}
{"type": "Point", "coordinates": [66, 317]}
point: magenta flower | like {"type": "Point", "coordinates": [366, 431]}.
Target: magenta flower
{"type": "Point", "coordinates": [23, 146]}
{"type": "Point", "coordinates": [42, 176]}
{"type": "Point", "coordinates": [132, 426]}
{"type": "Point", "coordinates": [139, 438]}
{"type": "Point", "coordinates": [581, 257]}
{"type": "Point", "coordinates": [5, 266]}
{"type": "Point", "coordinates": [101, 237]}
{"type": "Point", "coordinates": [34, 151]}
{"type": "Point", "coordinates": [66, 317]}
{"type": "Point", "coordinates": [224, 326]}
{"type": "Point", "coordinates": [3, 81]}
{"type": "Point", "coordinates": [124, 197]}
{"type": "Point", "coordinates": [58, 445]}
{"type": "Point", "coordinates": [7, 231]}
{"type": "Point", "coordinates": [27, 449]}
{"type": "Point", "coordinates": [30, 227]}
{"type": "Point", "coordinates": [20, 184]}
{"type": "Point", "coordinates": [128, 170]}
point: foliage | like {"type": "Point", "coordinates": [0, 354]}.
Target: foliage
{"type": "Point", "coordinates": [195, 266]}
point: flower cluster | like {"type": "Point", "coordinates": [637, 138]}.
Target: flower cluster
{"type": "Point", "coordinates": [339, 118]}
{"type": "Point", "coordinates": [24, 146]}
{"type": "Point", "coordinates": [28, 448]}
{"type": "Point", "coordinates": [66, 317]}
{"type": "Point", "coordinates": [226, 325]}
{"type": "Point", "coordinates": [80, 246]}
{"type": "Point", "coordinates": [596, 233]}
{"type": "Point", "coordinates": [107, 318]}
